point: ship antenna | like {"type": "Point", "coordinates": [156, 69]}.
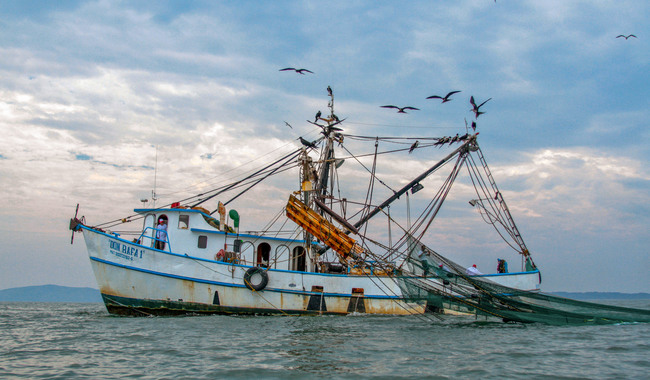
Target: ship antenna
{"type": "Point", "coordinates": [155, 177]}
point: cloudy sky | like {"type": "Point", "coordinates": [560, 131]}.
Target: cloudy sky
{"type": "Point", "coordinates": [96, 94]}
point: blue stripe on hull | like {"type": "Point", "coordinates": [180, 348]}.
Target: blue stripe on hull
{"type": "Point", "coordinates": [228, 284]}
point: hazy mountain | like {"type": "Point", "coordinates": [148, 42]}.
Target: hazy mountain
{"type": "Point", "coordinates": [50, 293]}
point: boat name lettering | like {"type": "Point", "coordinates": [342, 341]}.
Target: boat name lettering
{"type": "Point", "coordinates": [124, 251]}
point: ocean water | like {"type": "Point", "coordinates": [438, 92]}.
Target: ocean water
{"type": "Point", "coordinates": [68, 341]}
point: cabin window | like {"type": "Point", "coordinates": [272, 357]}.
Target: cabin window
{"type": "Point", "coordinates": [281, 255]}
{"type": "Point", "coordinates": [247, 252]}
{"type": "Point", "coordinates": [203, 241]}
{"type": "Point", "coordinates": [183, 222]}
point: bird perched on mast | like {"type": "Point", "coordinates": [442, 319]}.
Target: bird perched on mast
{"type": "Point", "coordinates": [308, 144]}
{"type": "Point", "coordinates": [415, 145]}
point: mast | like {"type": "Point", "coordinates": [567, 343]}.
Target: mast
{"type": "Point", "coordinates": [324, 177]}
{"type": "Point", "coordinates": [328, 153]}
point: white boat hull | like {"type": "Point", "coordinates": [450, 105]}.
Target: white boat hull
{"type": "Point", "coordinates": [134, 279]}
{"type": "Point", "coordinates": [137, 280]}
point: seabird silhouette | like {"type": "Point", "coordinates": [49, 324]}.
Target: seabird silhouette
{"type": "Point", "coordinates": [307, 143]}
{"type": "Point", "coordinates": [318, 114]}
{"type": "Point", "coordinates": [415, 145]}
{"type": "Point", "coordinates": [288, 125]}
{"type": "Point", "coordinates": [401, 109]}
{"type": "Point", "coordinates": [476, 108]}
{"type": "Point", "coordinates": [445, 99]}
{"type": "Point", "coordinates": [626, 37]}
{"type": "Point", "coordinates": [299, 71]}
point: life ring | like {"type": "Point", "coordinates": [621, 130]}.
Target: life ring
{"type": "Point", "coordinates": [256, 278]}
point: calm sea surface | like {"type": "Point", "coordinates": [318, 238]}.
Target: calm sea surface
{"type": "Point", "coordinates": [64, 341]}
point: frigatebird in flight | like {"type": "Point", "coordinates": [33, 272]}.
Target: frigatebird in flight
{"type": "Point", "coordinates": [445, 99]}
{"type": "Point", "coordinates": [476, 108]}
{"type": "Point", "coordinates": [401, 109]}
{"type": "Point", "coordinates": [299, 71]}
{"type": "Point", "coordinates": [626, 37]}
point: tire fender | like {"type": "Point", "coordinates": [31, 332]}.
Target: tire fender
{"type": "Point", "coordinates": [256, 278]}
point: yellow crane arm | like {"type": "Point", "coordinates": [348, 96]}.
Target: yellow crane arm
{"type": "Point", "coordinates": [323, 230]}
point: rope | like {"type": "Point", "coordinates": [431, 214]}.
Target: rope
{"type": "Point", "coordinates": [267, 301]}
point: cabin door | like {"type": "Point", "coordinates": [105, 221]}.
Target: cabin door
{"type": "Point", "coordinates": [298, 261]}
{"type": "Point", "coordinates": [263, 255]}
{"type": "Point", "coordinates": [148, 238]}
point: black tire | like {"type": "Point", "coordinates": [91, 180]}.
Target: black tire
{"type": "Point", "coordinates": [256, 278]}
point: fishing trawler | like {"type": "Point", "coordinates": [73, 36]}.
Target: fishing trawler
{"type": "Point", "coordinates": [326, 257]}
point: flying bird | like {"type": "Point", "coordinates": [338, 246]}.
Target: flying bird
{"type": "Point", "coordinates": [299, 71]}
{"type": "Point", "coordinates": [626, 37]}
{"type": "Point", "coordinates": [288, 125]}
{"type": "Point", "coordinates": [476, 108]}
{"type": "Point", "coordinates": [445, 99]}
{"type": "Point", "coordinates": [415, 145]}
{"type": "Point", "coordinates": [401, 109]}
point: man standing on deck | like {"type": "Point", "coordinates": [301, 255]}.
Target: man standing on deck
{"type": "Point", "coordinates": [161, 234]}
{"type": "Point", "coordinates": [423, 259]}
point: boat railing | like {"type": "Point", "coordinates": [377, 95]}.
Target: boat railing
{"type": "Point", "coordinates": [371, 267]}
{"type": "Point", "coordinates": [153, 236]}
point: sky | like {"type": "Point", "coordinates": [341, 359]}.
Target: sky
{"type": "Point", "coordinates": [99, 100]}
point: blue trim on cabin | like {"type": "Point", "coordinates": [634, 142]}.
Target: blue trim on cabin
{"type": "Point", "coordinates": [159, 210]}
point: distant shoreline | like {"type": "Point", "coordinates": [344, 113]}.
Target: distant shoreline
{"type": "Point", "coordinates": [50, 293]}
{"type": "Point", "coordinates": [57, 293]}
